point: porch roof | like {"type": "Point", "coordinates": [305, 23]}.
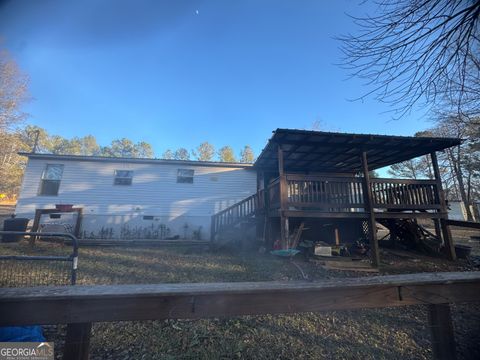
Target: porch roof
{"type": "Point", "coordinates": [319, 151]}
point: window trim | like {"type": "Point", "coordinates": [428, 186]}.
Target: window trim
{"type": "Point", "coordinates": [43, 180]}
{"type": "Point", "coordinates": [182, 179]}
{"type": "Point", "coordinates": [115, 177]}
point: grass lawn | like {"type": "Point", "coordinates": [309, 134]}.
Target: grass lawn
{"type": "Point", "coordinates": [397, 333]}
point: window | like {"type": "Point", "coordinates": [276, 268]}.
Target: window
{"type": "Point", "coordinates": [123, 177]}
{"type": "Point", "coordinates": [185, 176]}
{"type": "Point", "coordinates": [51, 177]}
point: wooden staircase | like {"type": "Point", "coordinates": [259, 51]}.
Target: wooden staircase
{"type": "Point", "coordinates": [232, 217]}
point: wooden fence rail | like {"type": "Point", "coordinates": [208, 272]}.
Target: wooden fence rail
{"type": "Point", "coordinates": [80, 306]}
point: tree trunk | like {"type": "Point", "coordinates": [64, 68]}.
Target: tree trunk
{"type": "Point", "coordinates": [461, 185]}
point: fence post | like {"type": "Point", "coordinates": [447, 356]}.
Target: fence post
{"type": "Point", "coordinates": [441, 329]}
{"type": "Point", "coordinates": [77, 342]}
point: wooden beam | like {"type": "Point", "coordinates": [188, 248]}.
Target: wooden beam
{"type": "Point", "coordinates": [267, 226]}
{"type": "Point", "coordinates": [84, 304]}
{"type": "Point", "coordinates": [447, 234]}
{"type": "Point", "coordinates": [441, 330]}
{"type": "Point", "coordinates": [283, 199]}
{"type": "Point", "coordinates": [367, 198]}
{"type": "Point", "coordinates": [438, 229]}
{"type": "Point", "coordinates": [406, 215]}
{"type": "Point", "coordinates": [323, 214]}
{"type": "Point", "coordinates": [466, 224]}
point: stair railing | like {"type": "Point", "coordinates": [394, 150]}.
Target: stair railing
{"type": "Point", "coordinates": [234, 214]}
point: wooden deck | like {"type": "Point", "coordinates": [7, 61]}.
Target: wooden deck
{"type": "Point", "coordinates": [312, 174]}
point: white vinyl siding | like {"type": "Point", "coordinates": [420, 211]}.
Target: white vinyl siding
{"type": "Point", "coordinates": [154, 191]}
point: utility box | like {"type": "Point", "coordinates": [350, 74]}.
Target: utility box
{"type": "Point", "coordinates": [14, 224]}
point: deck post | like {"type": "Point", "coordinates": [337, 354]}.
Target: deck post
{"type": "Point", "coordinates": [447, 234]}
{"type": "Point", "coordinates": [267, 225]}
{"type": "Point", "coordinates": [77, 341]}
{"type": "Point", "coordinates": [283, 199]}
{"type": "Point", "coordinates": [441, 330]}
{"type": "Point", "coordinates": [438, 229]}
{"type": "Point", "coordinates": [367, 198]}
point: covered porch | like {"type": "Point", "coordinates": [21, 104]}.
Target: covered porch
{"type": "Point", "coordinates": [312, 174]}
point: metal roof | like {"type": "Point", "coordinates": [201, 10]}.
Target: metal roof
{"type": "Point", "coordinates": [134, 160]}
{"type": "Point", "coordinates": [319, 151]}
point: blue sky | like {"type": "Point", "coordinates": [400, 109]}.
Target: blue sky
{"type": "Point", "coordinates": [178, 73]}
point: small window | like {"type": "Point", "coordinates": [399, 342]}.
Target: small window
{"type": "Point", "coordinates": [185, 176]}
{"type": "Point", "coordinates": [51, 177]}
{"type": "Point", "coordinates": [123, 177]}
{"type": "Point", "coordinates": [147, 217]}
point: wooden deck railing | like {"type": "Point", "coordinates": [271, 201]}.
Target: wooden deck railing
{"type": "Point", "coordinates": [325, 192]}
{"type": "Point", "coordinates": [245, 208]}
{"type": "Point", "coordinates": [401, 194]}
{"type": "Point", "coordinates": [345, 193]}
{"type": "Point", "coordinates": [79, 306]}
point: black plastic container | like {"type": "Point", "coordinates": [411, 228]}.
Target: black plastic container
{"type": "Point", "coordinates": [463, 251]}
{"type": "Point", "coordinates": [14, 224]}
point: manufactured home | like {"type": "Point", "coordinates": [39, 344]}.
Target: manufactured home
{"type": "Point", "coordinates": [132, 198]}
{"type": "Point", "coordinates": [313, 180]}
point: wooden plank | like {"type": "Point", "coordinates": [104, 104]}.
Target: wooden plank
{"type": "Point", "coordinates": [304, 177]}
{"type": "Point", "coordinates": [403, 181]}
{"type": "Point", "coordinates": [441, 330]}
{"type": "Point", "coordinates": [408, 215]}
{"type": "Point", "coordinates": [467, 224]}
{"type": "Point", "coordinates": [323, 214]}
{"type": "Point", "coordinates": [77, 341]}
{"type": "Point", "coordinates": [82, 304]}
{"type": "Point", "coordinates": [325, 204]}
{"type": "Point", "coordinates": [407, 206]}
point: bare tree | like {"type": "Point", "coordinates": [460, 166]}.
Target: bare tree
{"type": "Point", "coordinates": [168, 155]}
{"type": "Point", "coordinates": [181, 154]}
{"type": "Point", "coordinates": [418, 51]}
{"type": "Point", "coordinates": [247, 155]}
{"type": "Point", "coordinates": [462, 161]}
{"type": "Point", "coordinates": [13, 92]}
